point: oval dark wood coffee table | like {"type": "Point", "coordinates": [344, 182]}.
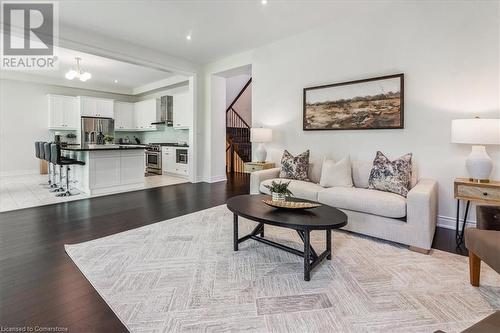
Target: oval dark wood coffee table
{"type": "Point", "coordinates": [326, 218]}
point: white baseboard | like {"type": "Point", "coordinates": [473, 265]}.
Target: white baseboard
{"type": "Point", "coordinates": [210, 179]}
{"type": "Point", "coordinates": [200, 179]}
{"type": "Point", "coordinates": [450, 222]}
{"type": "Point", "coordinates": [215, 179]}
{"type": "Point", "coordinates": [19, 173]}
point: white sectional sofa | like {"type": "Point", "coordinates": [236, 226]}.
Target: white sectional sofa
{"type": "Point", "coordinates": [410, 221]}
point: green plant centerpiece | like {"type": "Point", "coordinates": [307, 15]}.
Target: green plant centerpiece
{"type": "Point", "coordinates": [279, 190]}
{"type": "Point", "coordinates": [108, 139]}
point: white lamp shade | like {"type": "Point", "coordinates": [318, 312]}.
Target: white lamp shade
{"type": "Point", "coordinates": [258, 134]}
{"type": "Point", "coordinates": [476, 131]}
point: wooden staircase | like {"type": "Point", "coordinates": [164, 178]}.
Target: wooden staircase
{"type": "Point", "coordinates": [238, 145]}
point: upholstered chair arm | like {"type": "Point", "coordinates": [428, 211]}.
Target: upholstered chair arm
{"type": "Point", "coordinates": [258, 177]}
{"type": "Point", "coordinates": [421, 211]}
{"type": "Point", "coordinates": [488, 217]}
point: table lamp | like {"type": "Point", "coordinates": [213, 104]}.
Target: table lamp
{"type": "Point", "coordinates": [261, 135]}
{"type": "Point", "coordinates": [477, 132]}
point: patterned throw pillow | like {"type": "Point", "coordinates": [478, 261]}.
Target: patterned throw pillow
{"type": "Point", "coordinates": [295, 167]}
{"type": "Point", "coordinates": [391, 176]}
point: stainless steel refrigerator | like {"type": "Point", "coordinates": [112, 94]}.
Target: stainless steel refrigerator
{"type": "Point", "coordinates": [92, 127]}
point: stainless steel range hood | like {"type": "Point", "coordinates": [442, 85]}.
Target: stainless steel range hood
{"type": "Point", "coordinates": [165, 113]}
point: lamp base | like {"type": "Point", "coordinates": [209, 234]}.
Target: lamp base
{"type": "Point", "coordinates": [261, 153]}
{"type": "Point", "coordinates": [479, 165]}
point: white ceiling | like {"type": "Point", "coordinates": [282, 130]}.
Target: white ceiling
{"type": "Point", "coordinates": [218, 28]}
{"type": "Point", "coordinates": [104, 72]}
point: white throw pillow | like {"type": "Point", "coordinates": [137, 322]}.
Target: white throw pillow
{"type": "Point", "coordinates": [336, 174]}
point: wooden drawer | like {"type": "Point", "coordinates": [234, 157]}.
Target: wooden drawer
{"type": "Point", "coordinates": [478, 192]}
{"type": "Point", "coordinates": [252, 168]}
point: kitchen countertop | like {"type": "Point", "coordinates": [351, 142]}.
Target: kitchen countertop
{"type": "Point", "coordinates": [102, 147]}
{"type": "Point", "coordinates": [163, 144]}
{"type": "Point", "coordinates": [171, 144]}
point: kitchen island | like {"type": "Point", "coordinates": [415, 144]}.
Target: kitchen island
{"type": "Point", "coordinates": [108, 168]}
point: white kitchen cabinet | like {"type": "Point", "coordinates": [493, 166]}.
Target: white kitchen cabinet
{"type": "Point", "coordinates": [145, 114]}
{"type": "Point", "coordinates": [183, 111]}
{"type": "Point", "coordinates": [124, 116]}
{"type": "Point", "coordinates": [132, 167]}
{"type": "Point", "coordinates": [181, 169]}
{"type": "Point", "coordinates": [168, 159]}
{"type": "Point", "coordinates": [96, 107]}
{"type": "Point", "coordinates": [105, 108]}
{"type": "Point", "coordinates": [88, 106]}
{"type": "Point", "coordinates": [105, 168]}
{"type": "Point", "coordinates": [169, 163]}
{"type": "Point", "coordinates": [108, 171]}
{"type": "Point", "coordinates": [63, 112]}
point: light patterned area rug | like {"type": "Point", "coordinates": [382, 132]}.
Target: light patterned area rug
{"type": "Point", "coordinates": [182, 275]}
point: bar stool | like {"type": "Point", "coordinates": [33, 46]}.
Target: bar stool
{"type": "Point", "coordinates": [41, 150]}
{"type": "Point", "coordinates": [37, 149]}
{"type": "Point", "coordinates": [57, 159]}
{"type": "Point", "coordinates": [52, 175]}
{"type": "Point", "coordinates": [40, 154]}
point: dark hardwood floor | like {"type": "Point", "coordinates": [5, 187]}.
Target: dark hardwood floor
{"type": "Point", "coordinates": [40, 285]}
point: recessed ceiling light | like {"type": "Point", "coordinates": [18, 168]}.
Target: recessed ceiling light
{"type": "Point", "coordinates": [188, 37]}
{"type": "Point", "coordinates": [116, 81]}
{"type": "Point", "coordinates": [264, 2]}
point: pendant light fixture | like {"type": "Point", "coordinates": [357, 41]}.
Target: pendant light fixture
{"type": "Point", "coordinates": [78, 73]}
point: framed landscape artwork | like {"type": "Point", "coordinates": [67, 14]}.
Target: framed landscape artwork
{"type": "Point", "coordinates": [375, 103]}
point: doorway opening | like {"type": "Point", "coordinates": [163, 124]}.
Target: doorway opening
{"type": "Point", "coordinates": [238, 122]}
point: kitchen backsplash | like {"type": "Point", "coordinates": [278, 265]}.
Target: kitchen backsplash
{"type": "Point", "coordinates": [130, 135]}
{"type": "Point", "coordinates": [63, 134]}
{"type": "Point", "coordinates": [168, 134]}
{"type": "Point", "coordinates": [165, 134]}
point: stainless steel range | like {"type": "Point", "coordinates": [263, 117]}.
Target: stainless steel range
{"type": "Point", "coordinates": [153, 159]}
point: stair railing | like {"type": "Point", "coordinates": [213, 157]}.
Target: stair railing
{"type": "Point", "coordinates": [234, 163]}
{"type": "Point", "coordinates": [239, 95]}
{"type": "Point", "coordinates": [235, 122]}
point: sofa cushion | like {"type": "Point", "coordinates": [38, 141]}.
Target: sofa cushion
{"type": "Point", "coordinates": [295, 167]}
{"type": "Point", "coordinates": [391, 176]}
{"type": "Point", "coordinates": [361, 173]}
{"type": "Point", "coordinates": [314, 173]}
{"type": "Point", "coordinates": [365, 201]}
{"type": "Point", "coordinates": [300, 189]}
{"type": "Point", "coordinates": [336, 173]}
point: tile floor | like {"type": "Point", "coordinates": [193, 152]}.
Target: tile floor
{"type": "Point", "coordinates": [17, 192]}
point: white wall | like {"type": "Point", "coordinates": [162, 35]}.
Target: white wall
{"type": "Point", "coordinates": [218, 125]}
{"type": "Point", "coordinates": [243, 105]}
{"type": "Point", "coordinates": [24, 119]}
{"type": "Point", "coordinates": [234, 85]}
{"type": "Point", "coordinates": [449, 53]}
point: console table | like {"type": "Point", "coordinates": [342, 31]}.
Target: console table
{"type": "Point", "coordinates": [465, 189]}
{"type": "Point", "coordinates": [257, 166]}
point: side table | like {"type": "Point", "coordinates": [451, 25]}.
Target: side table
{"type": "Point", "coordinates": [465, 189]}
{"type": "Point", "coordinates": [257, 166]}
